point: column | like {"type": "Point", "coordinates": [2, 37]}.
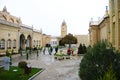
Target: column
{"type": "Point", "coordinates": [18, 41]}
{"type": "Point", "coordinates": [111, 22]}
{"type": "Point", "coordinates": [117, 25]}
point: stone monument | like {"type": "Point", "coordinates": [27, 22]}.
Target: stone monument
{"type": "Point", "coordinates": [6, 63]}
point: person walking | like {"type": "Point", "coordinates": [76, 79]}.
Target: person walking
{"type": "Point", "coordinates": [84, 49]}
{"type": "Point", "coordinates": [80, 49]}
{"type": "Point", "coordinates": [56, 49]}
{"type": "Point", "coordinates": [44, 49]}
{"type": "Point", "coordinates": [68, 51]}
{"type": "Point", "coordinates": [50, 50]}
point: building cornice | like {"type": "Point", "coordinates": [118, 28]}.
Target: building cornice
{"type": "Point", "coordinates": [8, 23]}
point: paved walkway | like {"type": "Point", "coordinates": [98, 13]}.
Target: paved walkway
{"type": "Point", "coordinates": [55, 69]}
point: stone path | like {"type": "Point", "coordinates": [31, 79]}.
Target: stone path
{"type": "Point", "coordinates": [55, 69]}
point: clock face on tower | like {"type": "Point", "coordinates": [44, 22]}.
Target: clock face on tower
{"type": "Point", "coordinates": [63, 29]}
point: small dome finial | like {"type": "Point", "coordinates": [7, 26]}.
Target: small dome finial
{"type": "Point", "coordinates": [63, 23]}
{"type": "Point", "coordinates": [4, 9]}
{"type": "Point", "coordinates": [106, 12]}
{"type": "Point", "coordinates": [40, 30]}
{"type": "Point", "coordinates": [106, 8]}
{"type": "Point", "coordinates": [91, 19]}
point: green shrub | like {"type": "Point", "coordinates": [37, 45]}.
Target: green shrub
{"type": "Point", "coordinates": [12, 52]}
{"type": "Point", "coordinates": [22, 64]}
{"type": "Point", "coordinates": [20, 51]}
{"type": "Point", "coordinates": [27, 54]}
{"type": "Point", "coordinates": [59, 54]}
{"type": "Point", "coordinates": [7, 53]}
{"type": "Point", "coordinates": [97, 61]}
{"type": "Point", "coordinates": [109, 75]}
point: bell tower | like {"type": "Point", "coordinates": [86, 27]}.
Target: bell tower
{"type": "Point", "coordinates": [63, 29]}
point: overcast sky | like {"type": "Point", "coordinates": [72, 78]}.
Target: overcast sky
{"type": "Point", "coordinates": [48, 15]}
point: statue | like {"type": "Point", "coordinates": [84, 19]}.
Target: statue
{"type": "Point", "coordinates": [6, 63]}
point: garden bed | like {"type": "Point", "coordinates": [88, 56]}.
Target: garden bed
{"type": "Point", "coordinates": [62, 57]}
{"type": "Point", "coordinates": [16, 73]}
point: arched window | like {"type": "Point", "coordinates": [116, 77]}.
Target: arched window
{"type": "Point", "coordinates": [11, 20]}
{"type": "Point", "coordinates": [4, 17]}
{"type": "Point", "coordinates": [8, 44]}
{"type": "Point", "coordinates": [17, 21]}
{"type": "Point", "coordinates": [14, 44]}
{"type": "Point", "coordinates": [37, 43]}
{"type": "Point", "coordinates": [34, 43]}
{"type": "Point", "coordinates": [2, 44]}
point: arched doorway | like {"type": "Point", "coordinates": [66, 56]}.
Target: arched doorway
{"type": "Point", "coordinates": [22, 41]}
{"type": "Point", "coordinates": [29, 41]}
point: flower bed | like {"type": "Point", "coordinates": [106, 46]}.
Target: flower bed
{"type": "Point", "coordinates": [60, 56]}
{"type": "Point", "coordinates": [16, 73]}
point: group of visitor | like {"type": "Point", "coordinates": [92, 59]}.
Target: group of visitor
{"type": "Point", "coordinates": [50, 50]}
{"type": "Point", "coordinates": [82, 49]}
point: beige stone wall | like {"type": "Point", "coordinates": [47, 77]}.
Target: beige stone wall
{"type": "Point", "coordinates": [12, 29]}
{"type": "Point", "coordinates": [14, 33]}
{"type": "Point", "coordinates": [99, 30]}
{"type": "Point", "coordinates": [45, 39]}
{"type": "Point", "coordinates": [37, 39]}
{"type": "Point", "coordinates": [82, 39]}
{"type": "Point", "coordinates": [94, 34]}
{"type": "Point", "coordinates": [115, 23]}
{"type": "Point", "coordinates": [103, 35]}
{"type": "Point", "coordinates": [8, 32]}
{"type": "Point", "coordinates": [103, 31]}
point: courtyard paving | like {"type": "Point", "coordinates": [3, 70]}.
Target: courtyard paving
{"type": "Point", "coordinates": [66, 69]}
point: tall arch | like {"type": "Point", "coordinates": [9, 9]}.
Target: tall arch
{"type": "Point", "coordinates": [29, 41]}
{"type": "Point", "coordinates": [22, 41]}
